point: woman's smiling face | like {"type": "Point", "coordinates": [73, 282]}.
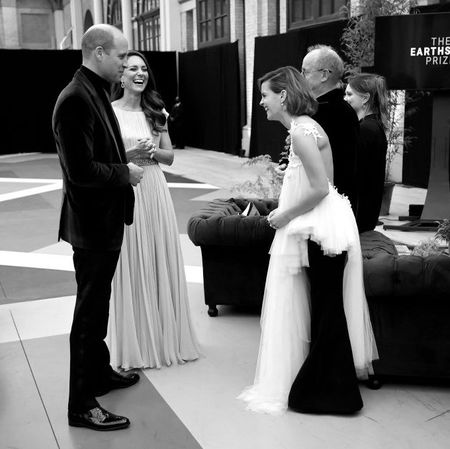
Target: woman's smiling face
{"type": "Point", "coordinates": [135, 75]}
{"type": "Point", "coordinates": [270, 101]}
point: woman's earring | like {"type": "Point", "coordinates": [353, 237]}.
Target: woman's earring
{"type": "Point", "coordinates": [122, 84]}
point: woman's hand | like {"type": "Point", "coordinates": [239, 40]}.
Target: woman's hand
{"type": "Point", "coordinates": [145, 144]}
{"type": "Point", "coordinates": [143, 150]}
{"type": "Point", "coordinates": [277, 219]}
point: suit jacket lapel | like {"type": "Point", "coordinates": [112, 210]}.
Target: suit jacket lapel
{"type": "Point", "coordinates": [103, 114]}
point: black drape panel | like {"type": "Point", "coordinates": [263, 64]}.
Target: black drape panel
{"type": "Point", "coordinates": [416, 153]}
{"type": "Point", "coordinates": [209, 91]}
{"type": "Point", "coordinates": [32, 81]}
{"type": "Point", "coordinates": [276, 51]}
{"type": "Point", "coordinates": [164, 67]}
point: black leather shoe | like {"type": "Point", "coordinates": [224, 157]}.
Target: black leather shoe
{"type": "Point", "coordinates": [98, 419]}
{"type": "Point", "coordinates": [117, 380]}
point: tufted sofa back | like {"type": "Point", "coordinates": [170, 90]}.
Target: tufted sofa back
{"type": "Point", "coordinates": [220, 223]}
{"type": "Point", "coordinates": [388, 274]}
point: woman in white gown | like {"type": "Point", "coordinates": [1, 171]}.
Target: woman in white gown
{"type": "Point", "coordinates": [309, 349]}
{"type": "Point", "coordinates": [150, 324]}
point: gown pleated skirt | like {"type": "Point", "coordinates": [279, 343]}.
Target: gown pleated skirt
{"type": "Point", "coordinates": [150, 324]}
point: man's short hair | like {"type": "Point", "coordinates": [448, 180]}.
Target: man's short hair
{"type": "Point", "coordinates": [329, 59]}
{"type": "Point", "coordinates": [101, 35]}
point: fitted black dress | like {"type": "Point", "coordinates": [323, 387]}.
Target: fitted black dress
{"type": "Point", "coordinates": [371, 164]}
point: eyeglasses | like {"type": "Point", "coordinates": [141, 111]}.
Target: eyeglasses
{"type": "Point", "coordinates": [305, 72]}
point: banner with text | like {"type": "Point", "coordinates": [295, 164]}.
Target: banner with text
{"type": "Point", "coordinates": [413, 51]}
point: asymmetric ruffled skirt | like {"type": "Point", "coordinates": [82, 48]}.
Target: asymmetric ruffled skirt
{"type": "Point", "coordinates": [285, 320]}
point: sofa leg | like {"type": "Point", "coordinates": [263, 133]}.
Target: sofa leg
{"type": "Point", "coordinates": [374, 382]}
{"type": "Point", "coordinates": [212, 310]}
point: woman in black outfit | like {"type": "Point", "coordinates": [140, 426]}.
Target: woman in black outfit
{"type": "Point", "coordinates": [368, 96]}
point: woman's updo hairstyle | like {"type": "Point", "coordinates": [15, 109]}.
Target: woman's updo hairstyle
{"type": "Point", "coordinates": [299, 97]}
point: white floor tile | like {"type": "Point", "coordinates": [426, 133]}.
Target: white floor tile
{"type": "Point", "coordinates": [42, 318]}
{"type": "Point", "coordinates": [7, 329]}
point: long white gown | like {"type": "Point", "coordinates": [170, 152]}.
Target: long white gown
{"type": "Point", "coordinates": [150, 324]}
{"type": "Point", "coordinates": [285, 318]}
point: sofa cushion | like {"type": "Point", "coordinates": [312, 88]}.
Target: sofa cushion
{"type": "Point", "coordinates": [374, 243]}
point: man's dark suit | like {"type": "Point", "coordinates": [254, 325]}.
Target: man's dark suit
{"type": "Point", "coordinates": [340, 122]}
{"type": "Point", "coordinates": [97, 200]}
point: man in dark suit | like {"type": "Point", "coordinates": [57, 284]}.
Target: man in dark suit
{"type": "Point", "coordinates": [327, 381]}
{"type": "Point", "coordinates": [98, 200]}
{"type": "Point", "coordinates": [323, 68]}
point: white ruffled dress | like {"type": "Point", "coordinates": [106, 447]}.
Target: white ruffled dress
{"type": "Point", "coordinates": [285, 319]}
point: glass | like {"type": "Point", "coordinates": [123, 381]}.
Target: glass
{"type": "Point", "coordinates": [326, 7]}
{"type": "Point", "coordinates": [305, 72]}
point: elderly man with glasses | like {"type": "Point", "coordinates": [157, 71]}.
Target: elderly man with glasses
{"type": "Point", "coordinates": [323, 68]}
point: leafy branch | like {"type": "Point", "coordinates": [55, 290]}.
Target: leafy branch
{"type": "Point", "coordinates": [268, 179]}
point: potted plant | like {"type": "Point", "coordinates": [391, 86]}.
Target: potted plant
{"type": "Point", "coordinates": [428, 247]}
{"type": "Point", "coordinates": [264, 181]}
{"type": "Point", "coordinates": [443, 232]}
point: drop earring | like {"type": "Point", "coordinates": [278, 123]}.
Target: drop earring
{"type": "Point", "coordinates": [122, 84]}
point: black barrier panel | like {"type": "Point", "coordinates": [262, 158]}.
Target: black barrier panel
{"type": "Point", "coordinates": [413, 52]}
{"type": "Point", "coordinates": [32, 81]}
{"type": "Point", "coordinates": [210, 93]}
{"type": "Point", "coordinates": [276, 51]}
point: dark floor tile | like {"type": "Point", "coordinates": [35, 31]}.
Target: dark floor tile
{"type": "Point", "coordinates": [26, 284]}
{"type": "Point", "coordinates": [154, 424]}
{"type": "Point", "coordinates": [170, 177]}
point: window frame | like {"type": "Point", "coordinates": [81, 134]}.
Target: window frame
{"type": "Point", "coordinates": [115, 5]}
{"type": "Point", "coordinates": [212, 17]}
{"type": "Point", "coordinates": [146, 38]}
{"type": "Point", "coordinates": [316, 5]}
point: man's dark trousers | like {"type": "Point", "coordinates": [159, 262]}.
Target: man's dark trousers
{"type": "Point", "coordinates": [89, 355]}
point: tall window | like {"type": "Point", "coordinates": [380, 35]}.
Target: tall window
{"type": "Point", "coordinates": [146, 24]}
{"type": "Point", "coordinates": [115, 13]}
{"type": "Point", "coordinates": [306, 12]}
{"type": "Point", "coordinates": [213, 20]}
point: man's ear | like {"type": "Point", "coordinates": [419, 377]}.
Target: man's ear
{"type": "Point", "coordinates": [99, 52]}
{"type": "Point", "coordinates": [325, 76]}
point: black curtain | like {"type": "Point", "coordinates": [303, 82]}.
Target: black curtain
{"type": "Point", "coordinates": [416, 151]}
{"type": "Point", "coordinates": [276, 51]}
{"type": "Point", "coordinates": [39, 76]}
{"type": "Point", "coordinates": [209, 91]}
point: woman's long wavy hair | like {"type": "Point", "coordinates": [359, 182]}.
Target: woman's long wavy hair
{"type": "Point", "coordinates": [151, 102]}
{"type": "Point", "coordinates": [375, 86]}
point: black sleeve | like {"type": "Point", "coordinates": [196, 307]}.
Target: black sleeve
{"type": "Point", "coordinates": [340, 122]}
{"type": "Point", "coordinates": [74, 132]}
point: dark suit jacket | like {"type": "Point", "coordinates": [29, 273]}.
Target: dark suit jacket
{"type": "Point", "coordinates": [97, 196]}
{"type": "Point", "coordinates": [371, 171]}
{"type": "Point", "coordinates": [340, 122]}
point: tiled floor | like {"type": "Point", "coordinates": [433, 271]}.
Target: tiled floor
{"type": "Point", "coordinates": [189, 406]}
